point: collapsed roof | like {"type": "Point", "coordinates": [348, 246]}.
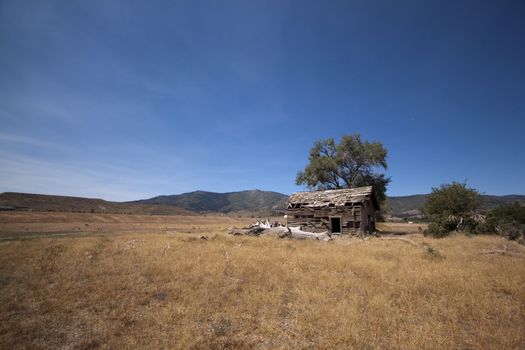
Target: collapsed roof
{"type": "Point", "coordinates": [332, 198]}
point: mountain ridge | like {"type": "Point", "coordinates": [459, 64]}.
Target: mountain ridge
{"type": "Point", "coordinates": [57, 203]}
{"type": "Point", "coordinates": [247, 201]}
{"type": "Point", "coordinates": [205, 201]}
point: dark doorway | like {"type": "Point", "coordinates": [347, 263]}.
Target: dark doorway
{"type": "Point", "coordinates": [336, 225]}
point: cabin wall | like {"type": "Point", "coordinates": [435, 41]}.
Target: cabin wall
{"type": "Point", "coordinates": [357, 218]}
{"type": "Point", "coordinates": [318, 219]}
{"type": "Point", "coordinates": [368, 214]}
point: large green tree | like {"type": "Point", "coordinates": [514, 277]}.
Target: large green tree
{"type": "Point", "coordinates": [454, 199]}
{"type": "Point", "coordinates": [351, 163]}
{"type": "Point", "coordinates": [452, 207]}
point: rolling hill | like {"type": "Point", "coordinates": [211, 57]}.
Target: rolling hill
{"type": "Point", "coordinates": [202, 201]}
{"type": "Point", "coordinates": [42, 202]}
{"type": "Point", "coordinates": [251, 201]}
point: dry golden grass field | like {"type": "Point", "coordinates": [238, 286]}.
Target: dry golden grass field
{"type": "Point", "coordinates": [92, 281]}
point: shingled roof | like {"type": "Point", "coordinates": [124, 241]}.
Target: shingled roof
{"type": "Point", "coordinates": [316, 199]}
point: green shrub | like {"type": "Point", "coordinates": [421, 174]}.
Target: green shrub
{"type": "Point", "coordinates": [469, 225]}
{"type": "Point", "coordinates": [507, 220]}
{"type": "Point", "coordinates": [512, 231]}
{"type": "Point", "coordinates": [454, 199]}
{"type": "Point", "coordinates": [512, 212]}
{"type": "Point", "coordinates": [433, 254]}
{"type": "Point", "coordinates": [440, 226]}
{"type": "Point", "coordinates": [448, 206]}
{"type": "Point", "coordinates": [485, 228]}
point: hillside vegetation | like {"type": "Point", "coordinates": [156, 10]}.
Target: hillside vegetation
{"type": "Point", "coordinates": [175, 290]}
{"type": "Point", "coordinates": [42, 202]}
{"type": "Point", "coordinates": [253, 201]}
{"type": "Point", "coordinates": [410, 206]}
{"type": "Point", "coordinates": [202, 201]}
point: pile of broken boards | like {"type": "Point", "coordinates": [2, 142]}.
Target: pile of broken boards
{"type": "Point", "coordinates": [266, 228]}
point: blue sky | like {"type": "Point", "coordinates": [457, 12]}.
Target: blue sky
{"type": "Point", "coordinates": [129, 99]}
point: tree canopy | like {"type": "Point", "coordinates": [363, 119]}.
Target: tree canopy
{"type": "Point", "coordinates": [351, 163]}
{"type": "Point", "coordinates": [451, 207]}
{"type": "Point", "coordinates": [454, 199]}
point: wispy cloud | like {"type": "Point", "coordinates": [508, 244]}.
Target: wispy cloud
{"type": "Point", "coordinates": [22, 173]}
{"type": "Point", "coordinates": [22, 139]}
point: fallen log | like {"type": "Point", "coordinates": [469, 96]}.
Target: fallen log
{"type": "Point", "coordinates": [255, 230]}
{"type": "Point", "coordinates": [282, 232]}
{"type": "Point", "coordinates": [298, 234]}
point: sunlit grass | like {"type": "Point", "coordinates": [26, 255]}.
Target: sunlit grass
{"type": "Point", "coordinates": [180, 291]}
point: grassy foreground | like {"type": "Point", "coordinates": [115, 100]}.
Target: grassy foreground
{"type": "Point", "coordinates": [179, 291]}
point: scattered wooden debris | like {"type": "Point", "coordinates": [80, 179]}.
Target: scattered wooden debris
{"type": "Point", "coordinates": [266, 228]}
{"type": "Point", "coordinates": [296, 233]}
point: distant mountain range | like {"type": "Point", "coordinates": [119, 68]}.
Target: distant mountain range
{"type": "Point", "coordinates": [202, 201]}
{"type": "Point", "coordinates": [43, 202]}
{"type": "Point", "coordinates": [252, 201]}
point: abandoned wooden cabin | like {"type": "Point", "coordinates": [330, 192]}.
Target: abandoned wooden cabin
{"type": "Point", "coordinates": [349, 210]}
